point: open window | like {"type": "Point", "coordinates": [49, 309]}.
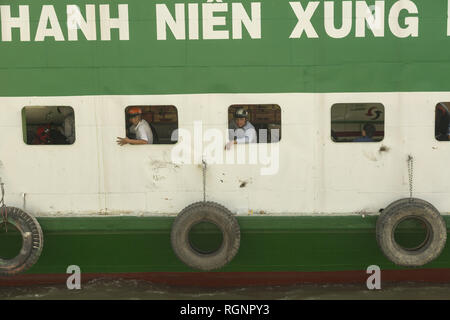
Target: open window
{"type": "Point", "coordinates": [48, 125]}
{"type": "Point", "coordinates": [442, 121]}
{"type": "Point", "coordinates": [257, 123]}
{"type": "Point", "coordinates": [162, 121]}
{"type": "Point", "coordinates": [357, 122]}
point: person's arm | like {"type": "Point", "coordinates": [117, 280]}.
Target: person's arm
{"type": "Point", "coordinates": [140, 132]}
{"type": "Point", "coordinates": [229, 144]}
{"type": "Point", "coordinates": [231, 137]}
{"type": "Point", "coordinates": [123, 141]}
{"type": "Point", "coordinates": [135, 141]}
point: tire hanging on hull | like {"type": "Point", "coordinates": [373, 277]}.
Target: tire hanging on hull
{"type": "Point", "coordinates": [411, 208]}
{"type": "Point", "coordinates": [32, 242]}
{"type": "Point", "coordinates": [205, 212]}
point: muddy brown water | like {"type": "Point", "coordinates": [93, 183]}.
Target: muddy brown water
{"type": "Point", "coordinates": [102, 289]}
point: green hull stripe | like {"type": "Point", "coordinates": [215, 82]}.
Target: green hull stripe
{"type": "Point", "coordinates": [247, 223]}
{"type": "Point", "coordinates": [142, 244]}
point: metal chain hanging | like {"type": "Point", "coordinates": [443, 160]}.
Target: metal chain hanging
{"type": "Point", "coordinates": [3, 210]}
{"type": "Point", "coordinates": [204, 179]}
{"type": "Point", "coordinates": [410, 174]}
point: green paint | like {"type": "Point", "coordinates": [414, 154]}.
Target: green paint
{"type": "Point", "coordinates": [410, 233]}
{"type": "Point", "coordinates": [142, 244]}
{"type": "Point", "coordinates": [10, 241]}
{"type": "Point", "coordinates": [274, 63]}
{"type": "Point", "coordinates": [205, 237]}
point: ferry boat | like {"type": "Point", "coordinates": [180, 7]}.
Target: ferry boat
{"type": "Point", "coordinates": [349, 101]}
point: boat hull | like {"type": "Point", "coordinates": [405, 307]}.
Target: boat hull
{"type": "Point", "coordinates": [274, 250]}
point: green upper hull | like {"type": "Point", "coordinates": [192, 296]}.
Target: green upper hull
{"type": "Point", "coordinates": [275, 63]}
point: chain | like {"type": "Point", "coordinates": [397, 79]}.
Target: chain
{"type": "Point", "coordinates": [410, 173]}
{"type": "Point", "coordinates": [3, 210]}
{"type": "Point", "coordinates": [204, 180]}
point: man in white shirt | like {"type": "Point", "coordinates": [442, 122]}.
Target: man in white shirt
{"type": "Point", "coordinates": [240, 129]}
{"type": "Point", "coordinates": [140, 127]}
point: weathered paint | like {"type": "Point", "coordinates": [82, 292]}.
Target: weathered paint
{"type": "Point", "coordinates": [315, 176]}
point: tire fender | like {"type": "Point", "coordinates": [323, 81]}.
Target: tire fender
{"type": "Point", "coordinates": [32, 242]}
{"type": "Point", "coordinates": [401, 210]}
{"type": "Point", "coordinates": [205, 212]}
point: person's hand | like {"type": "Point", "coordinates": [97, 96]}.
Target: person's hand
{"type": "Point", "coordinates": [228, 145]}
{"type": "Point", "coordinates": [122, 141]}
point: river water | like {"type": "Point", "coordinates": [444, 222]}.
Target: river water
{"type": "Point", "coordinates": [140, 290]}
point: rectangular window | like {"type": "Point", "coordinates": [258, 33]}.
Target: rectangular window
{"type": "Point", "coordinates": [357, 122]}
{"type": "Point", "coordinates": [153, 124]}
{"type": "Point", "coordinates": [51, 125]}
{"type": "Point", "coordinates": [258, 123]}
{"type": "Point", "coordinates": [442, 122]}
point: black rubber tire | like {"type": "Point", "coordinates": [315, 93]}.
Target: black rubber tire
{"type": "Point", "coordinates": [32, 242]}
{"type": "Point", "coordinates": [387, 209]}
{"type": "Point", "coordinates": [205, 212]}
{"type": "Point", "coordinates": [403, 209]}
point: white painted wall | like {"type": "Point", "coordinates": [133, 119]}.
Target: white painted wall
{"type": "Point", "coordinates": [316, 175]}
